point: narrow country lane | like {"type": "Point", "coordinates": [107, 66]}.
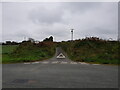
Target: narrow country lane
{"type": "Point", "coordinates": [59, 73]}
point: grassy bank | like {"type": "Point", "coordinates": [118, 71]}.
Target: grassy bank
{"type": "Point", "coordinates": [92, 50]}
{"type": "Point", "coordinates": [27, 52]}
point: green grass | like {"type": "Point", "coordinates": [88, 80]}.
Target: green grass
{"type": "Point", "coordinates": [27, 52]}
{"type": "Point", "coordinates": [7, 49]}
{"type": "Point", "coordinates": [92, 51]}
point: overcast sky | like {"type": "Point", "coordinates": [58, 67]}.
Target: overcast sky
{"type": "Point", "coordinates": [43, 19]}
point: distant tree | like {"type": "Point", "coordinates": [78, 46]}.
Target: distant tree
{"type": "Point", "coordinates": [8, 42]}
{"type": "Point", "coordinates": [23, 41]}
{"type": "Point", "coordinates": [14, 43]}
{"type": "Point", "coordinates": [48, 39]}
{"type": "Point", "coordinates": [51, 38]}
{"type": "Point", "coordinates": [31, 40]}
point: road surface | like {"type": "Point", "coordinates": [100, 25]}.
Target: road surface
{"type": "Point", "coordinates": [59, 73]}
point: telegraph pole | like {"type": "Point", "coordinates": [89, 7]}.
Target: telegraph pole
{"type": "Point", "coordinates": [72, 34]}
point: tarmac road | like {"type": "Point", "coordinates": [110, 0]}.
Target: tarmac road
{"type": "Point", "coordinates": [59, 73]}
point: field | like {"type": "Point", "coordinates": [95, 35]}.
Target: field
{"type": "Point", "coordinates": [92, 51]}
{"type": "Point", "coordinates": [7, 49]}
{"type": "Point", "coordinates": [27, 52]}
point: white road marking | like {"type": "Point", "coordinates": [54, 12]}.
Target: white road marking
{"type": "Point", "coordinates": [73, 63]}
{"type": "Point", "coordinates": [54, 62]}
{"type": "Point", "coordinates": [26, 63]}
{"type": "Point", "coordinates": [35, 62]}
{"type": "Point", "coordinates": [61, 55]}
{"type": "Point", "coordinates": [63, 62]}
{"type": "Point", "coordinates": [44, 62]}
{"type": "Point", "coordinates": [83, 63]}
{"type": "Point", "coordinates": [95, 64]}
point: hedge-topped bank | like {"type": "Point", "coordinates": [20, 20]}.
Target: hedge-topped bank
{"type": "Point", "coordinates": [92, 50]}
{"type": "Point", "coordinates": [28, 51]}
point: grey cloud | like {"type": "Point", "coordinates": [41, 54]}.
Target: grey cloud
{"type": "Point", "coordinates": [82, 7]}
{"type": "Point", "coordinates": [46, 16]}
{"type": "Point", "coordinates": [40, 20]}
{"type": "Point", "coordinates": [49, 16]}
